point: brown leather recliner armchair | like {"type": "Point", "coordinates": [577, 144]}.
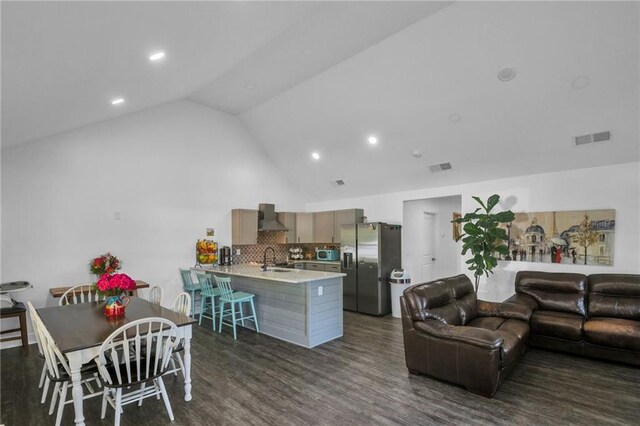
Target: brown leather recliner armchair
{"type": "Point", "coordinates": [450, 335]}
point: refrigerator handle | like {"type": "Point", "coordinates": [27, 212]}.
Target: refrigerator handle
{"type": "Point", "coordinates": [347, 260]}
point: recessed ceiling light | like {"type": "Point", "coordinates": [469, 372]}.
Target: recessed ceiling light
{"type": "Point", "coordinates": [372, 140]}
{"type": "Point", "coordinates": [507, 74]}
{"type": "Point", "coordinates": [455, 117]}
{"type": "Point", "coordinates": [249, 87]}
{"type": "Point", "coordinates": [307, 52]}
{"type": "Point", "coordinates": [156, 56]}
{"type": "Point", "coordinates": [117, 101]}
{"type": "Point", "coordinates": [315, 155]}
{"type": "Point", "coordinates": [580, 82]}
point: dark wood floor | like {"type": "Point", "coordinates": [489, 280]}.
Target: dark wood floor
{"type": "Point", "coordinates": [357, 380]}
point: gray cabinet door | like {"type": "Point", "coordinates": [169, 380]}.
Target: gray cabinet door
{"type": "Point", "coordinates": [244, 226]}
{"type": "Point", "coordinates": [315, 267]}
{"type": "Point", "coordinates": [304, 228]}
{"type": "Point", "coordinates": [346, 217]}
{"type": "Point", "coordinates": [323, 227]}
{"type": "Point", "coordinates": [332, 268]}
{"type": "Point", "coordinates": [288, 220]}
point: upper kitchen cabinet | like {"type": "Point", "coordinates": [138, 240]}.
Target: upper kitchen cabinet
{"type": "Point", "coordinates": [289, 221]}
{"type": "Point", "coordinates": [346, 217]}
{"type": "Point", "coordinates": [324, 227]}
{"type": "Point", "coordinates": [304, 228]}
{"type": "Point", "coordinates": [244, 226]}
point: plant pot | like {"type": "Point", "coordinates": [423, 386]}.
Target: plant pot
{"type": "Point", "coordinates": [115, 307]}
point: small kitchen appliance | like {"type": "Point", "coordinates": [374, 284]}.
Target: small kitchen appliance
{"type": "Point", "coordinates": [327, 254]}
{"type": "Point", "coordinates": [225, 256]}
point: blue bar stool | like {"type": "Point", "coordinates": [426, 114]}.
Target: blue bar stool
{"type": "Point", "coordinates": [227, 295]}
{"type": "Point", "coordinates": [190, 287]}
{"type": "Point", "coordinates": [208, 296]}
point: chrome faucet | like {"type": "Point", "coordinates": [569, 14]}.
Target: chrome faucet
{"type": "Point", "coordinates": [264, 257]}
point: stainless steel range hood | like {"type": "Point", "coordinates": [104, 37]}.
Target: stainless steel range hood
{"type": "Point", "coordinates": [267, 219]}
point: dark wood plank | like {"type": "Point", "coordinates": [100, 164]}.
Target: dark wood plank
{"type": "Point", "coordinates": [359, 379]}
{"type": "Point", "coordinates": [59, 291]}
{"type": "Point", "coordinates": [84, 325]}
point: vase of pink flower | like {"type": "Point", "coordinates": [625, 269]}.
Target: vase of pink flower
{"type": "Point", "coordinates": [116, 287]}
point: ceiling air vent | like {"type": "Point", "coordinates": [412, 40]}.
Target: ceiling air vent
{"type": "Point", "coordinates": [440, 167]}
{"type": "Point", "coordinates": [594, 137]}
{"type": "Point", "coordinates": [336, 183]}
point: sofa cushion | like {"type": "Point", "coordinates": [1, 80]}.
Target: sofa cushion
{"type": "Point", "coordinates": [514, 333]}
{"type": "Point", "coordinates": [554, 291]}
{"type": "Point", "coordinates": [464, 295]}
{"type": "Point", "coordinates": [561, 325]}
{"type": "Point", "coordinates": [432, 300]}
{"type": "Point", "coordinates": [613, 332]}
{"type": "Point", "coordinates": [614, 296]}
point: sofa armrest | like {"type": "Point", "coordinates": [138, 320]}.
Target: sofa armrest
{"type": "Point", "coordinates": [504, 310]}
{"type": "Point", "coordinates": [523, 299]}
{"type": "Point", "coordinates": [471, 335]}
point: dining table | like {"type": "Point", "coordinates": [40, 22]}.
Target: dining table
{"type": "Point", "coordinates": [80, 329]}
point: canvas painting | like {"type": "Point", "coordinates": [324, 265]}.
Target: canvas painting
{"type": "Point", "coordinates": [581, 237]}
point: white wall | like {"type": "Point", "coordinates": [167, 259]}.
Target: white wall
{"type": "Point", "coordinates": [615, 187]}
{"type": "Point", "coordinates": [445, 250]}
{"type": "Point", "coordinates": [170, 172]}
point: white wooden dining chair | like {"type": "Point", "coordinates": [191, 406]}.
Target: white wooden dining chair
{"type": "Point", "coordinates": [156, 295]}
{"type": "Point", "coordinates": [181, 304]}
{"type": "Point", "coordinates": [83, 293]}
{"type": "Point", "coordinates": [138, 353]}
{"type": "Point", "coordinates": [58, 372]}
{"type": "Point", "coordinates": [44, 379]}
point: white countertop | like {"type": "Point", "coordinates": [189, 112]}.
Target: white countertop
{"type": "Point", "coordinates": [295, 276]}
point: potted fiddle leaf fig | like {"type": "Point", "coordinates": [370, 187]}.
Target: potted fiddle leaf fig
{"type": "Point", "coordinates": [483, 237]}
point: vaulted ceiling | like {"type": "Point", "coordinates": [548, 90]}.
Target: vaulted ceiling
{"type": "Point", "coordinates": [324, 76]}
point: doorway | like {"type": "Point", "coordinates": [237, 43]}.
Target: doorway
{"type": "Point", "coordinates": [429, 251]}
{"type": "Point", "coordinates": [427, 240]}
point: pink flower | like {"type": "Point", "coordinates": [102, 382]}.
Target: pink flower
{"type": "Point", "coordinates": [114, 284]}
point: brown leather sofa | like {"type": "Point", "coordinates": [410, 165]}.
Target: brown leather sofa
{"type": "Point", "coordinates": [596, 315]}
{"type": "Point", "coordinates": [452, 336]}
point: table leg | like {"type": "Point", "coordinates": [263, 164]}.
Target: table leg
{"type": "Point", "coordinates": [187, 363]}
{"type": "Point", "coordinates": [23, 333]}
{"type": "Point", "coordinates": [75, 362]}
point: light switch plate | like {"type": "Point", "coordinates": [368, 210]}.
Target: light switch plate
{"type": "Point", "coordinates": [320, 291]}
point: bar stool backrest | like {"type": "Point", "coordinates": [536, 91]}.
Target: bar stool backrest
{"type": "Point", "coordinates": [206, 287]}
{"type": "Point", "coordinates": [224, 284]}
{"type": "Point", "coordinates": [187, 282]}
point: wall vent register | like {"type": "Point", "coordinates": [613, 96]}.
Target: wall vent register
{"type": "Point", "coordinates": [440, 167]}
{"type": "Point", "coordinates": [594, 137]}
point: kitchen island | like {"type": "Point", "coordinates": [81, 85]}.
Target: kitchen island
{"type": "Point", "coordinates": [298, 306]}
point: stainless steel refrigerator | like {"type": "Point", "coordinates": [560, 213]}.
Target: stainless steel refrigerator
{"type": "Point", "coordinates": [369, 252]}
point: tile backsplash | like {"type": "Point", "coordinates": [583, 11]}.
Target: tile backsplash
{"type": "Point", "coordinates": [255, 252]}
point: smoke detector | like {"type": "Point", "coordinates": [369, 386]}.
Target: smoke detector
{"type": "Point", "coordinates": [455, 117]}
{"type": "Point", "coordinates": [440, 167]}
{"type": "Point", "coordinates": [416, 153]}
{"type": "Point", "coordinates": [580, 82]}
{"type": "Point", "coordinates": [507, 74]}
{"type": "Point", "coordinates": [594, 137]}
